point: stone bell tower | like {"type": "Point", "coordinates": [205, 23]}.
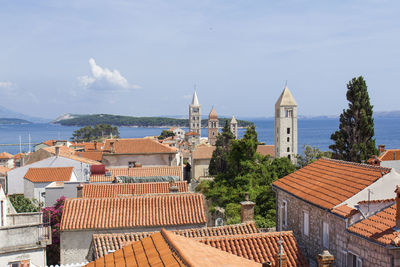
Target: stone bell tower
{"type": "Point", "coordinates": [213, 124]}
{"type": "Point", "coordinates": [195, 115]}
{"type": "Point", "coordinates": [234, 127]}
{"type": "Point", "coordinates": [286, 126]}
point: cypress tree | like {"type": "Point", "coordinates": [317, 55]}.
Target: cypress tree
{"type": "Point", "coordinates": [355, 139]}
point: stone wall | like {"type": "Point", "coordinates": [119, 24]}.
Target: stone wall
{"type": "Point", "coordinates": [340, 240]}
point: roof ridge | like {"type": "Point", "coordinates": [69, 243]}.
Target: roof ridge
{"type": "Point", "coordinates": [139, 196]}
{"type": "Point", "coordinates": [266, 234]}
{"type": "Point", "coordinates": [173, 246]}
{"type": "Point", "coordinates": [358, 164]}
{"type": "Point", "coordinates": [376, 200]}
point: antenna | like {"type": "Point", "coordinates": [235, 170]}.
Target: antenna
{"type": "Point", "coordinates": [195, 87]}
{"type": "Point", "coordinates": [20, 145]}
{"type": "Point", "coordinates": [286, 83]}
{"type": "Point", "coordinates": [29, 143]}
{"type": "Point", "coordinates": [369, 198]}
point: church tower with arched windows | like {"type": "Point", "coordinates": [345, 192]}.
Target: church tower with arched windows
{"type": "Point", "coordinates": [213, 124]}
{"type": "Point", "coordinates": [195, 115]}
{"type": "Point", "coordinates": [286, 126]}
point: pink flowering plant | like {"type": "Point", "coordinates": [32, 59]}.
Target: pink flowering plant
{"type": "Point", "coordinates": [52, 217]}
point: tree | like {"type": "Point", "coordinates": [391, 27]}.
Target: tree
{"type": "Point", "coordinates": [100, 131]}
{"type": "Point", "coordinates": [218, 162]}
{"type": "Point", "coordinates": [247, 171]}
{"type": "Point", "coordinates": [165, 134]}
{"type": "Point", "coordinates": [354, 140]}
{"type": "Point", "coordinates": [311, 154]}
{"type": "Point", "coordinates": [23, 204]}
{"type": "Point", "coordinates": [52, 215]}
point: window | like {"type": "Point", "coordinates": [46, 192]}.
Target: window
{"type": "Point", "coordinates": [306, 223]}
{"type": "Point", "coordinates": [325, 234]}
{"type": "Point", "coordinates": [288, 149]}
{"type": "Point", "coordinates": [213, 133]}
{"type": "Point", "coordinates": [284, 213]}
{"type": "Point", "coordinates": [131, 164]}
{"type": "Point", "coordinates": [288, 139]}
{"type": "Point", "coordinates": [206, 173]}
{"type": "Point", "coordinates": [353, 260]}
{"type": "Point", "coordinates": [288, 156]}
{"type": "Point", "coordinates": [288, 130]}
{"type": "Point", "coordinates": [14, 264]}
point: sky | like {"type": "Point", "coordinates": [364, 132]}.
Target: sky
{"type": "Point", "coordinates": [144, 58]}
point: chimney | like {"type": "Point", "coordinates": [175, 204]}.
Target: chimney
{"type": "Point", "coordinates": [95, 145]}
{"type": "Point", "coordinates": [397, 191]}
{"type": "Point", "coordinates": [173, 188]}
{"type": "Point", "coordinates": [280, 257]}
{"type": "Point", "coordinates": [381, 149]}
{"type": "Point", "coordinates": [79, 190]}
{"type": "Point", "coordinates": [57, 148]}
{"type": "Point", "coordinates": [112, 146]}
{"type": "Point", "coordinates": [325, 259]}
{"type": "Point", "coordinates": [247, 212]}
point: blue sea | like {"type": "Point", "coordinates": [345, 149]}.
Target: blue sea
{"type": "Point", "coordinates": [315, 132]}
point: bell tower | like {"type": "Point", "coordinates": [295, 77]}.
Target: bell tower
{"type": "Point", "coordinates": [286, 126]}
{"type": "Point", "coordinates": [195, 115]}
{"type": "Point", "coordinates": [212, 127]}
{"type": "Point", "coordinates": [234, 127]}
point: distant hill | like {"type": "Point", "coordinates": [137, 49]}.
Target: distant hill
{"type": "Point", "coordinates": [13, 121]}
{"type": "Point", "coordinates": [10, 114]}
{"type": "Point", "coordinates": [118, 120]}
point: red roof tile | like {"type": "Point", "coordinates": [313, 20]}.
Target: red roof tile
{"type": "Point", "coordinates": [51, 174]}
{"type": "Point", "coordinates": [191, 133]}
{"type": "Point", "coordinates": [5, 155]}
{"type": "Point", "coordinates": [327, 183]}
{"type": "Point", "coordinates": [266, 150]}
{"type": "Point", "coordinates": [259, 247]}
{"type": "Point", "coordinates": [379, 227]}
{"type": "Point", "coordinates": [167, 249]}
{"type": "Point", "coordinates": [138, 172]}
{"type": "Point", "coordinates": [93, 155]}
{"type": "Point", "coordinates": [50, 142]}
{"type": "Point", "coordinates": [103, 243]}
{"type": "Point", "coordinates": [138, 146]}
{"type": "Point", "coordinates": [70, 153]}
{"type": "Point", "coordinates": [203, 152]}
{"type": "Point", "coordinates": [344, 211]}
{"type": "Point", "coordinates": [115, 190]}
{"type": "Point", "coordinates": [136, 211]}
{"type": "Point", "coordinates": [390, 154]}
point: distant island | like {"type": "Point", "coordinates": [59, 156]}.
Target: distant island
{"type": "Point", "coordinates": [13, 121]}
{"type": "Point", "coordinates": [118, 120]}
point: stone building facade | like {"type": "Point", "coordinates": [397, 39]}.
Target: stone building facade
{"type": "Point", "coordinates": [286, 126]}
{"type": "Point", "coordinates": [195, 115]}
{"type": "Point", "coordinates": [213, 125]}
{"type": "Point", "coordinates": [234, 127]}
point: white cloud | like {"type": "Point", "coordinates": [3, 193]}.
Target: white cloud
{"type": "Point", "coordinates": [6, 84]}
{"type": "Point", "coordinates": [103, 78]}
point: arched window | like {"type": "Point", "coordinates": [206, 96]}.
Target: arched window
{"type": "Point", "coordinates": [288, 149]}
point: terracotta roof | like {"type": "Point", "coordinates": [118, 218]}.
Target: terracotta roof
{"type": "Point", "coordinates": [93, 155]}
{"type": "Point", "coordinates": [6, 155]}
{"type": "Point", "coordinates": [390, 154]}
{"type": "Point", "coordinates": [19, 156]}
{"type": "Point", "coordinates": [103, 243]}
{"type": "Point", "coordinates": [138, 172]}
{"type": "Point", "coordinates": [131, 212]}
{"type": "Point", "coordinates": [70, 153]}
{"type": "Point", "coordinates": [167, 249]}
{"type": "Point", "coordinates": [50, 142]}
{"type": "Point", "coordinates": [344, 211]}
{"type": "Point", "coordinates": [49, 174]}
{"type": "Point", "coordinates": [327, 183]}
{"type": "Point", "coordinates": [259, 247]}
{"type": "Point", "coordinates": [379, 227]}
{"type": "Point", "coordinates": [213, 114]}
{"type": "Point", "coordinates": [4, 170]}
{"type": "Point", "coordinates": [377, 201]}
{"type": "Point", "coordinates": [89, 146]}
{"type": "Point", "coordinates": [114, 190]}
{"type": "Point", "coordinates": [203, 152]}
{"type": "Point", "coordinates": [266, 150]}
{"type": "Point", "coordinates": [191, 133]}
{"type": "Point", "coordinates": [138, 146]}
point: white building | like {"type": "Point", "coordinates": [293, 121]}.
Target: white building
{"type": "Point", "coordinates": [15, 177]}
{"type": "Point", "coordinates": [179, 132]}
{"type": "Point", "coordinates": [23, 238]}
{"type": "Point", "coordinates": [7, 160]}
{"type": "Point", "coordinates": [286, 126]}
{"type": "Point", "coordinates": [36, 180]}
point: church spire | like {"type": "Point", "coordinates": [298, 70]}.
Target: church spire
{"type": "Point", "coordinates": [195, 100]}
